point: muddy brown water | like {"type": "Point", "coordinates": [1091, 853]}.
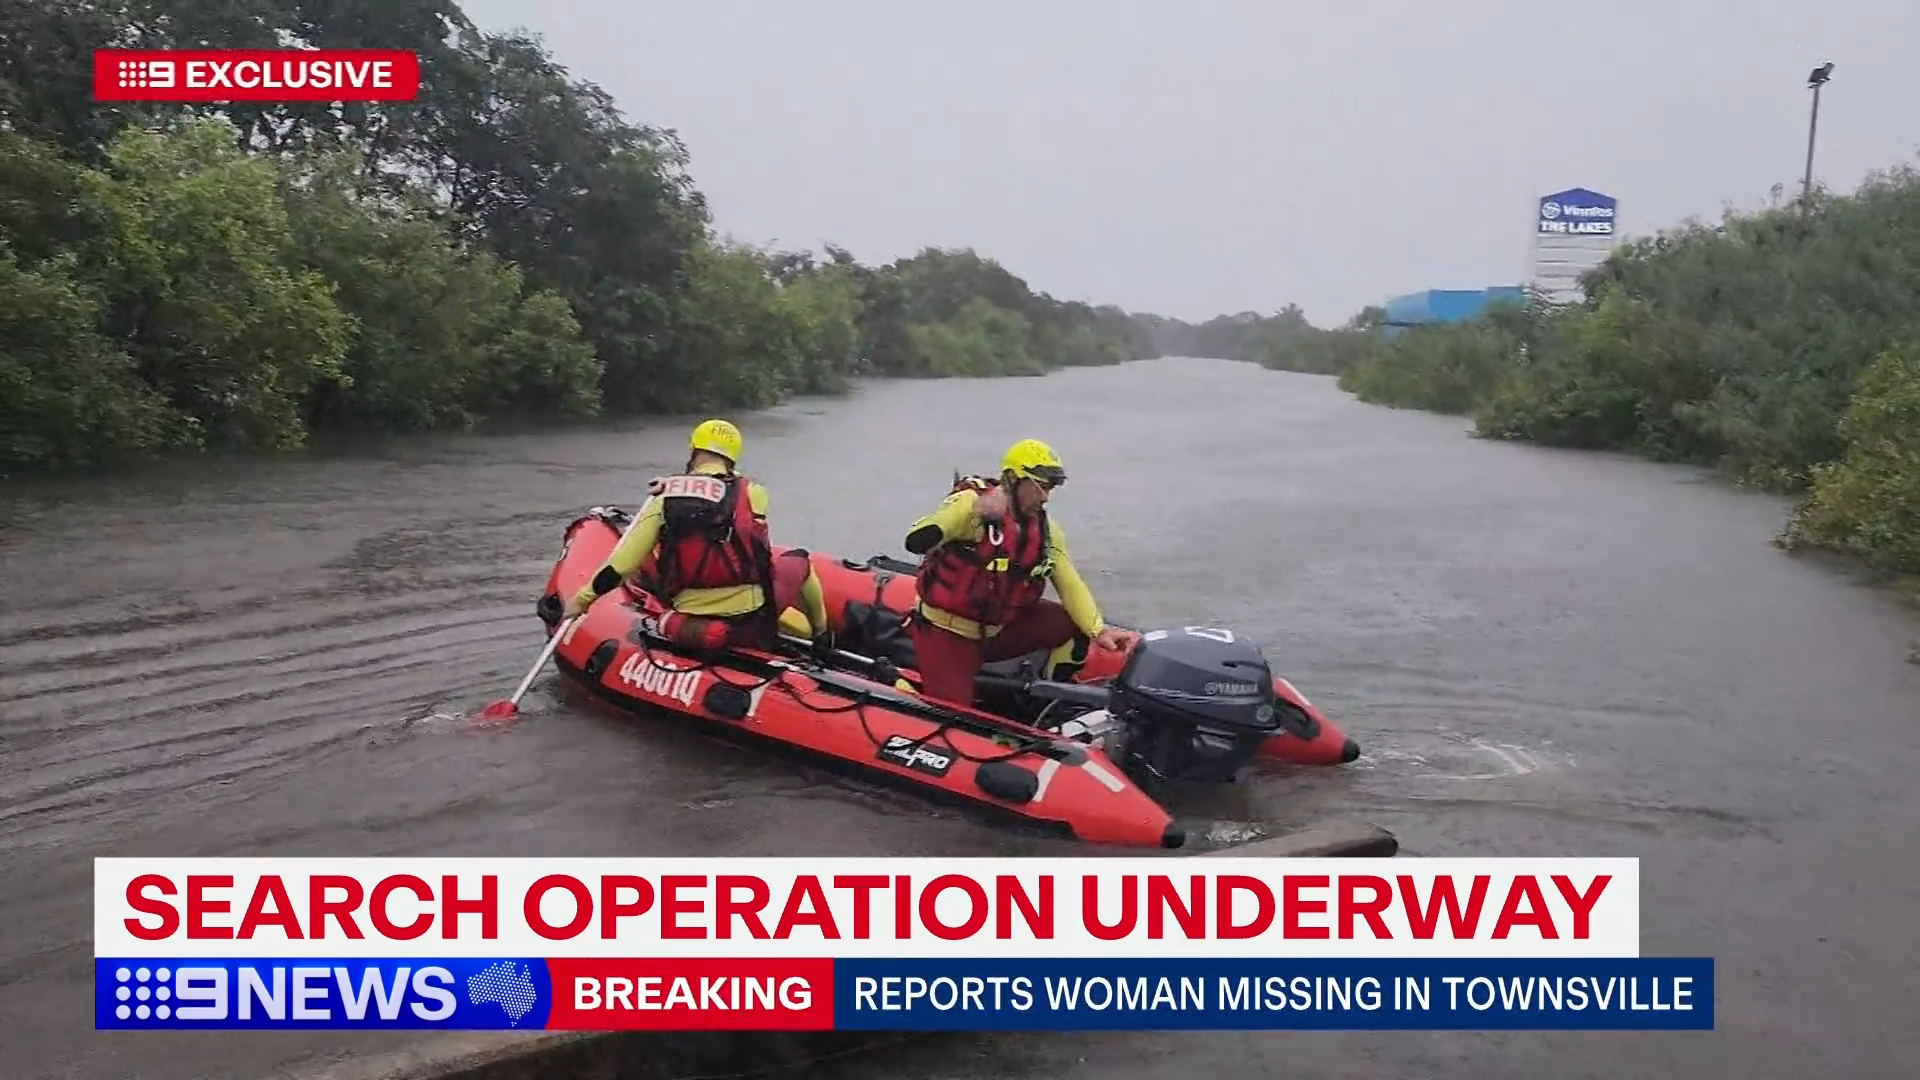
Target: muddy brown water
{"type": "Point", "coordinates": [1541, 652]}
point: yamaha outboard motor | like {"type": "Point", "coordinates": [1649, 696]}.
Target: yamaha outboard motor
{"type": "Point", "coordinates": [1194, 704]}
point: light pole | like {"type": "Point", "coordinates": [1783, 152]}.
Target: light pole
{"type": "Point", "coordinates": [1815, 80]}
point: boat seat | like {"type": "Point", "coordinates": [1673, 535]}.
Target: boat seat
{"type": "Point", "coordinates": [875, 631]}
{"type": "Point", "coordinates": [872, 630]}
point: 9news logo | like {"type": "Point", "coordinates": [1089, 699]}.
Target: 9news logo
{"type": "Point", "coordinates": [146, 74]}
{"type": "Point", "coordinates": [164, 994]}
{"type": "Point", "coordinates": [291, 994]}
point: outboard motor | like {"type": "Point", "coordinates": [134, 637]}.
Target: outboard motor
{"type": "Point", "coordinates": [1193, 704]}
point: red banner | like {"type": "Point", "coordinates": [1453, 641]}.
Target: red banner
{"type": "Point", "coordinates": [679, 994]}
{"type": "Point", "coordinates": [268, 76]}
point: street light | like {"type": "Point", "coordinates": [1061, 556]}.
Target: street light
{"type": "Point", "coordinates": [1815, 80]}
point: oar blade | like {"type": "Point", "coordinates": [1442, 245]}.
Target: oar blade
{"type": "Point", "coordinates": [500, 710]}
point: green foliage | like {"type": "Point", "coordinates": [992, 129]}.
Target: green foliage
{"type": "Point", "coordinates": [176, 254]}
{"type": "Point", "coordinates": [822, 310]}
{"type": "Point", "coordinates": [736, 345]}
{"type": "Point", "coordinates": [944, 313]}
{"type": "Point", "coordinates": [1740, 345]}
{"type": "Point", "coordinates": [68, 395]}
{"type": "Point", "coordinates": [444, 336]}
{"type": "Point", "coordinates": [1444, 368]}
{"type": "Point", "coordinates": [203, 289]}
{"type": "Point", "coordinates": [241, 276]}
{"type": "Point", "coordinates": [1868, 502]}
{"type": "Point", "coordinates": [981, 338]}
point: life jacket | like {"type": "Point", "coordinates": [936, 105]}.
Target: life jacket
{"type": "Point", "coordinates": [709, 538]}
{"type": "Point", "coordinates": [992, 579]}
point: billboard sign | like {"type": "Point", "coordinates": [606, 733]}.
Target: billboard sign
{"type": "Point", "coordinates": [1577, 212]}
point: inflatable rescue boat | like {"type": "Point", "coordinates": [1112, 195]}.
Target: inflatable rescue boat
{"type": "Point", "coordinates": [1202, 670]}
{"type": "Point", "coordinates": [1071, 756]}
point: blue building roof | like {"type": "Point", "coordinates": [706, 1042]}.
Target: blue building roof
{"type": "Point", "coordinates": [1448, 305]}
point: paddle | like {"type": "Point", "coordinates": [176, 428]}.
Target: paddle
{"type": "Point", "coordinates": [843, 656]}
{"type": "Point", "coordinates": [1044, 689]}
{"type": "Point", "coordinates": [501, 710]}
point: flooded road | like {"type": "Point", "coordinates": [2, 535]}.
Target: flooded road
{"type": "Point", "coordinates": [1541, 652]}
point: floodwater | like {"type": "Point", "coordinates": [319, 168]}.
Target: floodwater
{"type": "Point", "coordinates": [1542, 653]}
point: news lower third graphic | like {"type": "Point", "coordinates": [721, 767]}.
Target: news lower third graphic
{"type": "Point", "coordinates": [909, 994]}
{"type": "Point", "coordinates": [919, 944]}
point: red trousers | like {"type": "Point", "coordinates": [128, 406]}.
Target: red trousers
{"type": "Point", "coordinates": [948, 662]}
{"type": "Point", "coordinates": [754, 630]}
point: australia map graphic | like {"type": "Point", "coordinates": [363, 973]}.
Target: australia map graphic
{"type": "Point", "coordinates": [507, 985]}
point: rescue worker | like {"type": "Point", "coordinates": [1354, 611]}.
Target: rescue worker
{"type": "Point", "coordinates": [988, 552]}
{"type": "Point", "coordinates": [704, 544]}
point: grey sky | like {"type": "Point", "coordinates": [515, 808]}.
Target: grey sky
{"type": "Point", "coordinates": [1195, 158]}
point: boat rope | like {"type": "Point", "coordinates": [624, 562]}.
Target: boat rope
{"type": "Point", "coordinates": [859, 701]}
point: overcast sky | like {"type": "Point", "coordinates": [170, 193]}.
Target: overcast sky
{"type": "Point", "coordinates": [1200, 157]}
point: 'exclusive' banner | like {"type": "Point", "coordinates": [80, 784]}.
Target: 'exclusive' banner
{"type": "Point", "coordinates": [796, 994]}
{"type": "Point", "coordinates": [256, 75]}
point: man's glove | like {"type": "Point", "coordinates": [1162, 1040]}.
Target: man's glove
{"type": "Point", "coordinates": [578, 603]}
{"type": "Point", "coordinates": [823, 645]}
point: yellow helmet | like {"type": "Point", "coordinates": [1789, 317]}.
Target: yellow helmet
{"type": "Point", "coordinates": [1034, 460]}
{"type": "Point", "coordinates": [717, 437]}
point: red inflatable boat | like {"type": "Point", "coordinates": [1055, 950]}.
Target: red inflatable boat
{"type": "Point", "coordinates": [868, 603]}
{"type": "Point", "coordinates": [1193, 704]}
